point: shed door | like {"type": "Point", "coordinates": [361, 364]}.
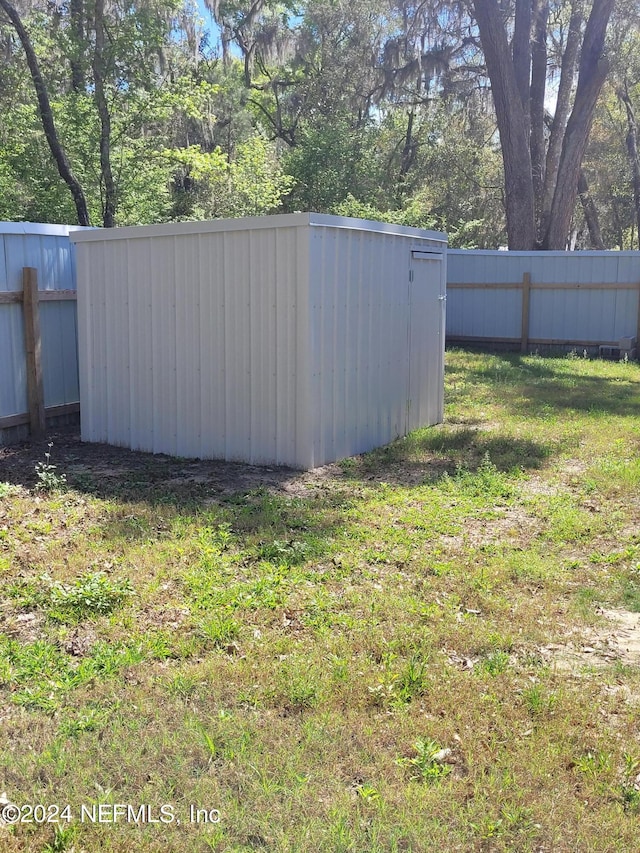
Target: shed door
{"type": "Point", "coordinates": [426, 338]}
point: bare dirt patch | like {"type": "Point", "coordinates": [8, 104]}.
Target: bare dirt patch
{"type": "Point", "coordinates": [107, 466]}
{"type": "Point", "coordinates": [615, 640]}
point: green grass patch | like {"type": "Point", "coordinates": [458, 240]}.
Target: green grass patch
{"type": "Point", "coordinates": [403, 652]}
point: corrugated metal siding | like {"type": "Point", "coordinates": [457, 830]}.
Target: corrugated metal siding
{"type": "Point", "coordinates": [91, 342]}
{"type": "Point", "coordinates": [13, 381]}
{"type": "Point", "coordinates": [190, 344]}
{"type": "Point", "coordinates": [48, 249]}
{"type": "Point", "coordinates": [370, 384]}
{"type": "Point", "coordinates": [427, 294]}
{"type": "Point", "coordinates": [581, 314]}
{"type": "Point", "coordinates": [58, 329]}
{"type": "Point", "coordinates": [484, 313]}
{"type": "Point", "coordinates": [284, 341]}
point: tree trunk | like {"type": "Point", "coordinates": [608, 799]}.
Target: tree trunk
{"type": "Point", "coordinates": [590, 212]}
{"type": "Point", "coordinates": [109, 202]}
{"type": "Point", "coordinates": [521, 49]}
{"type": "Point", "coordinates": [632, 152]}
{"type": "Point", "coordinates": [46, 116]}
{"type": "Point", "coordinates": [593, 71]}
{"type": "Point", "coordinates": [512, 126]}
{"type": "Point", "coordinates": [561, 115]}
{"type": "Point", "coordinates": [77, 28]}
{"type": "Point", "coordinates": [408, 153]}
{"type": "Point", "coordinates": [538, 87]}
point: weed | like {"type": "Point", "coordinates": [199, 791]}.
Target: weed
{"type": "Point", "coordinates": [91, 593]}
{"type": "Point", "coordinates": [496, 662]}
{"type": "Point", "coordinates": [595, 765]}
{"type": "Point", "coordinates": [209, 742]}
{"type": "Point", "coordinates": [89, 721]}
{"type": "Point", "coordinates": [108, 659]}
{"type": "Point", "coordinates": [489, 827]}
{"type": "Point", "coordinates": [220, 629]}
{"type": "Point", "coordinates": [412, 680]}
{"type": "Point", "coordinates": [63, 839]}
{"type": "Point", "coordinates": [539, 702]}
{"type": "Point", "coordinates": [214, 540]}
{"type": "Point", "coordinates": [368, 793]}
{"type": "Point", "coordinates": [298, 686]}
{"type": "Point", "coordinates": [47, 476]}
{"type": "Point", "coordinates": [183, 685]}
{"type": "Point", "coordinates": [292, 552]}
{"type": "Point", "coordinates": [161, 645]}
{"type": "Point", "coordinates": [428, 764]}
{"type": "Point", "coordinates": [485, 482]}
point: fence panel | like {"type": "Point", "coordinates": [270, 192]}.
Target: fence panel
{"type": "Point", "coordinates": [588, 299]}
{"type": "Point", "coordinates": [48, 250]}
{"type": "Point", "coordinates": [582, 299]}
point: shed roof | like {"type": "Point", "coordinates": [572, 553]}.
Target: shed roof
{"type": "Point", "coordinates": [42, 229]}
{"type": "Point", "coordinates": [283, 220]}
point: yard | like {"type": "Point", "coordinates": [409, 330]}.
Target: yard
{"type": "Point", "coordinates": [434, 646]}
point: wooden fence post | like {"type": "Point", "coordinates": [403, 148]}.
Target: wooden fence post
{"type": "Point", "coordinates": [33, 341]}
{"type": "Point", "coordinates": [526, 300]}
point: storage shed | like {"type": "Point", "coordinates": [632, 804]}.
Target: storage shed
{"type": "Point", "coordinates": [295, 339]}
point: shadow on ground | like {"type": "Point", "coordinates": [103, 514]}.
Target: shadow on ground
{"type": "Point", "coordinates": [248, 493]}
{"type": "Point", "coordinates": [253, 499]}
{"type": "Point", "coordinates": [535, 384]}
{"type": "Point", "coordinates": [427, 455]}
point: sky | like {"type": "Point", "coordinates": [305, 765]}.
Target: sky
{"type": "Point", "coordinates": [209, 24]}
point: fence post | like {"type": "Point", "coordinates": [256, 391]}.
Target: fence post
{"type": "Point", "coordinates": [526, 299]}
{"type": "Point", "coordinates": [33, 341]}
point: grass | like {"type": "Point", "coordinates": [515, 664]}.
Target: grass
{"type": "Point", "coordinates": [352, 660]}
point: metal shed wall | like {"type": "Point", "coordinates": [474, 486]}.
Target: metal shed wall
{"type": "Point", "coordinates": [269, 340]}
{"type": "Point", "coordinates": [590, 297]}
{"type": "Point", "coordinates": [194, 344]}
{"type": "Point", "coordinates": [370, 382]}
{"type": "Point", "coordinates": [46, 248]}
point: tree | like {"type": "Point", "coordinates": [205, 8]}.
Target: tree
{"type": "Point", "coordinates": [46, 115]}
{"type": "Point", "coordinates": [539, 207]}
{"type": "Point", "coordinates": [632, 151]}
{"type": "Point", "coordinates": [99, 70]}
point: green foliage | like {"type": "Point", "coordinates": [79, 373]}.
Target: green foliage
{"type": "Point", "coordinates": [330, 162]}
{"type": "Point", "coordinates": [63, 839]}
{"type": "Point", "coordinates": [485, 482]}
{"type": "Point", "coordinates": [91, 593]}
{"type": "Point", "coordinates": [210, 184]}
{"type": "Point", "coordinates": [220, 629]}
{"type": "Point", "coordinates": [428, 763]}
{"type": "Point", "coordinates": [496, 662]}
{"type": "Point", "coordinates": [359, 109]}
{"type": "Point", "coordinates": [40, 674]}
